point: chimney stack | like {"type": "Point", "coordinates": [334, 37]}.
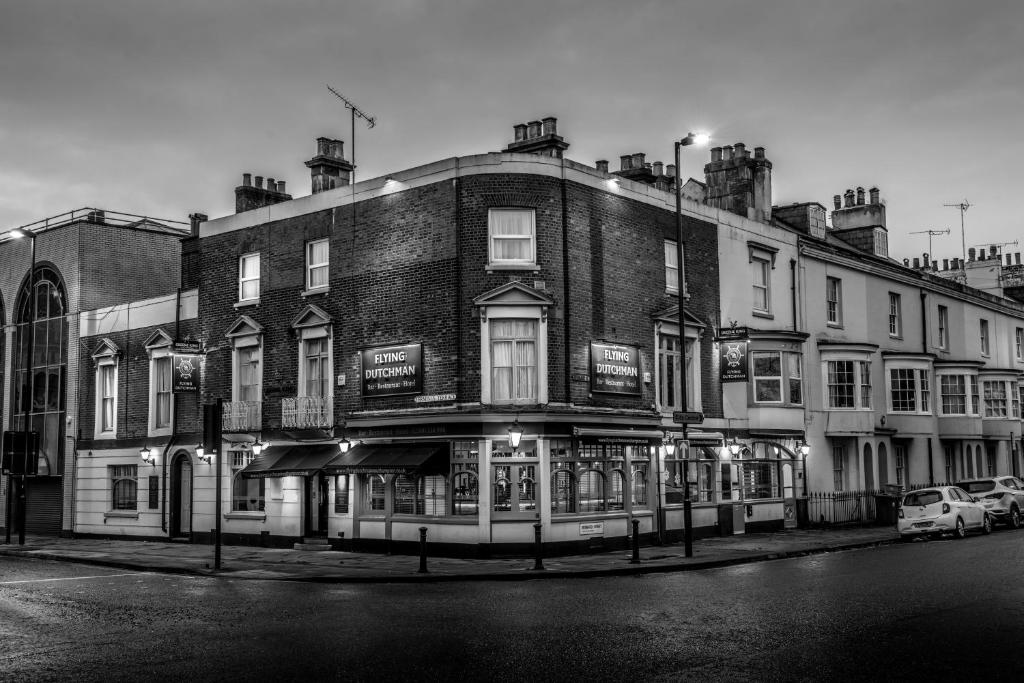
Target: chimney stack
{"type": "Point", "coordinates": [848, 199]}
{"type": "Point", "coordinates": [874, 195]}
{"type": "Point", "coordinates": [602, 165]}
{"type": "Point", "coordinates": [670, 170]}
{"type": "Point", "coordinates": [945, 264]}
{"type": "Point", "coordinates": [838, 201]}
{"type": "Point", "coordinates": [860, 196]}
{"type": "Point", "coordinates": [538, 137]}
{"type": "Point", "coordinates": [992, 251]}
{"type": "Point", "coordinates": [195, 219]}
{"type": "Point", "coordinates": [739, 183]}
{"type": "Point", "coordinates": [533, 130]}
{"type": "Point", "coordinates": [970, 254]}
{"type": "Point", "coordinates": [329, 168]}
{"type": "Point", "coordinates": [1016, 258]}
{"type": "Point", "coordinates": [250, 196]}
{"type": "Point", "coordinates": [657, 168]}
{"type": "Point", "coordinates": [917, 263]}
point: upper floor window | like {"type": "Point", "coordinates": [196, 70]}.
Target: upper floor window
{"type": "Point", "coordinates": [995, 398]}
{"type": "Point", "coordinates": [249, 277]}
{"type": "Point", "coordinates": [161, 398]}
{"type": "Point", "coordinates": [106, 358]}
{"type": "Point", "coordinates": [762, 284]}
{"type": "Point", "coordinates": [316, 361]}
{"type": "Point", "coordinates": [895, 315]}
{"type": "Point", "coordinates": [245, 410]}
{"type": "Point", "coordinates": [1019, 343]}
{"type": "Point", "coordinates": [777, 377]}
{"type": "Point", "coordinates": [512, 236]}
{"type": "Point", "coordinates": [849, 384]}
{"type": "Point", "coordinates": [957, 394]}
{"type": "Point", "coordinates": [943, 328]}
{"type": "Point", "coordinates": [909, 390]}
{"type": "Point", "coordinates": [834, 300]}
{"type": "Point", "coordinates": [317, 264]}
{"type": "Point", "coordinates": [671, 267]}
{"type": "Point", "coordinates": [670, 364]}
{"type": "Point", "coordinates": [514, 361]}
{"type": "Point", "coordinates": [983, 334]}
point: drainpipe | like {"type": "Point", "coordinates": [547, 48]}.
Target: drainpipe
{"type": "Point", "coordinates": [924, 323]}
{"type": "Point", "coordinates": [565, 290]}
{"type": "Point", "coordinates": [460, 380]}
{"type": "Point", "coordinates": [792, 289]}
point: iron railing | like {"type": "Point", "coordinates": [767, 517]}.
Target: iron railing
{"type": "Point", "coordinates": [242, 416]}
{"type": "Point", "coordinates": [307, 412]}
{"type": "Point", "coordinates": [832, 508]}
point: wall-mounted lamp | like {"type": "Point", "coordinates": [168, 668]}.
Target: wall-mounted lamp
{"type": "Point", "coordinates": [259, 446]}
{"type": "Point", "coordinates": [202, 455]}
{"type": "Point", "coordinates": [515, 435]}
{"type": "Point", "coordinates": [148, 455]}
{"type": "Point", "coordinates": [669, 445]}
{"type": "Point", "coordinates": [734, 447]}
{"type": "Point", "coordinates": [803, 447]}
{"type": "Point", "coordinates": [344, 445]}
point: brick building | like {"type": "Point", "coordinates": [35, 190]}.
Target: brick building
{"type": "Point", "coordinates": [83, 260]}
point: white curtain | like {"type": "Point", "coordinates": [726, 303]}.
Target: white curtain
{"type": "Point", "coordinates": [512, 235]}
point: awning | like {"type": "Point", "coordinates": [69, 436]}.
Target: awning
{"type": "Point", "coordinates": [290, 460]}
{"type": "Point", "coordinates": [390, 459]}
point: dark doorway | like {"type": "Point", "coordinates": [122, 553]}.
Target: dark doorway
{"type": "Point", "coordinates": [181, 496]}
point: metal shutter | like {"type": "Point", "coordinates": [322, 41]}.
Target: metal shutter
{"type": "Point", "coordinates": [44, 505]}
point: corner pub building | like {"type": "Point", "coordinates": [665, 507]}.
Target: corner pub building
{"type": "Point", "coordinates": [418, 318]}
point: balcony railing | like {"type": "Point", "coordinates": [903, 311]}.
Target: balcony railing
{"type": "Point", "coordinates": [307, 412]}
{"type": "Point", "coordinates": [242, 416]}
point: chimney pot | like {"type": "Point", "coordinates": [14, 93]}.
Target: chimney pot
{"type": "Point", "coordinates": [280, 186]}
{"type": "Point", "coordinates": [247, 179]}
{"type": "Point", "coordinates": [550, 125]}
{"type": "Point", "coordinates": [670, 170]}
{"type": "Point", "coordinates": [271, 185]}
{"type": "Point", "coordinates": [625, 162]}
{"type": "Point", "coordinates": [935, 265]}
{"type": "Point", "coordinates": [759, 152]}
{"type": "Point", "coordinates": [638, 160]}
{"type": "Point", "coordinates": [991, 251]}
{"type": "Point", "coordinates": [838, 201]}
{"type": "Point", "coordinates": [945, 264]}
{"type": "Point", "coordinates": [534, 129]}
{"type": "Point", "coordinates": [906, 261]}
{"type": "Point", "coordinates": [716, 154]}
{"type": "Point", "coordinates": [520, 129]}
{"type": "Point", "coordinates": [658, 168]}
{"type": "Point", "coordinates": [602, 165]}
{"type": "Point", "coordinates": [970, 254]}
{"type": "Point", "coordinates": [739, 150]}
{"type": "Point", "coordinates": [727, 152]}
{"type": "Point", "coordinates": [1016, 258]}
{"type": "Point", "coordinates": [917, 263]}
{"type": "Point", "coordinates": [860, 196]}
{"type": "Point", "coordinates": [259, 182]}
{"type": "Point", "coordinates": [874, 195]}
{"type": "Point", "coordinates": [848, 198]}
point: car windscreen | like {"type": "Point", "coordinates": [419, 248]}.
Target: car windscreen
{"type": "Point", "coordinates": [977, 486]}
{"type": "Point", "coordinates": [922, 498]}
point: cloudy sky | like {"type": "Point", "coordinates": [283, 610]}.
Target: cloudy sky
{"type": "Point", "coordinates": [157, 108]}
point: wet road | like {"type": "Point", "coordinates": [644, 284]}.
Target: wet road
{"type": "Point", "coordinates": [920, 611]}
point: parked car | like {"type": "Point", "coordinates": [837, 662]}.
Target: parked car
{"type": "Point", "coordinates": [936, 510]}
{"type": "Point", "coordinates": [1003, 497]}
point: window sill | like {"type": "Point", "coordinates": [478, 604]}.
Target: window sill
{"type": "Point", "coordinates": [763, 314]}
{"type": "Point", "coordinates": [256, 516]}
{"type": "Point", "coordinates": [837, 326]}
{"type": "Point", "coordinates": [162, 431]}
{"type": "Point", "coordinates": [104, 436]}
{"type": "Point", "coordinates": [314, 292]}
{"type": "Point", "coordinates": [530, 267]}
{"type": "Point", "coordinates": [121, 514]}
{"type": "Point", "coordinates": [246, 303]}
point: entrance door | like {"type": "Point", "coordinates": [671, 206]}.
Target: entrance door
{"type": "Point", "coordinates": [316, 505]}
{"type": "Point", "coordinates": [181, 496]}
{"type": "Point", "coordinates": [788, 497]}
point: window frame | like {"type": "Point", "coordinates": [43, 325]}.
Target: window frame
{"type": "Point", "coordinates": [895, 315]}
{"type": "Point", "coordinates": [943, 320]}
{"type": "Point", "coordinates": [984, 337]}
{"type": "Point", "coordinates": [918, 382]}
{"type": "Point", "coordinates": [833, 301]}
{"type": "Point", "coordinates": [160, 352]}
{"type": "Point", "coordinates": [128, 475]}
{"type": "Point", "coordinates": [311, 266]}
{"type": "Point", "coordinates": [860, 384]}
{"type": "Point", "coordinates": [243, 280]}
{"type": "Point", "coordinates": [512, 264]}
{"type": "Point", "coordinates": [762, 266]}
{"type": "Point", "coordinates": [499, 312]}
{"type": "Point", "coordinates": [1019, 343]}
{"type": "Point", "coordinates": [665, 331]}
{"type": "Point", "coordinates": [107, 360]}
{"type": "Point", "coordinates": [240, 459]}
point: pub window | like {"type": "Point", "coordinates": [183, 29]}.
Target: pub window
{"type": "Point", "coordinates": [247, 495]}
{"type": "Point", "coordinates": [514, 478]}
{"type": "Point", "coordinates": [341, 484]}
{"type": "Point", "coordinates": [106, 395]}
{"type": "Point", "coordinates": [374, 493]}
{"type": "Point", "coordinates": [124, 487]}
{"type": "Point", "coordinates": [465, 478]}
{"type": "Point", "coordinates": [514, 361]}
{"type": "Point", "coordinates": [701, 474]}
{"type": "Point", "coordinates": [419, 495]}
{"type": "Point", "coordinates": [154, 492]}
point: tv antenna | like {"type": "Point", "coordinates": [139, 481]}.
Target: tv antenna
{"type": "Point", "coordinates": [371, 121]}
{"type": "Point", "coordinates": [963, 206]}
{"type": "Point", "coordinates": [930, 233]}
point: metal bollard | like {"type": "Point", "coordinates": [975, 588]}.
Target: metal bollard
{"type": "Point", "coordinates": [636, 542]}
{"type": "Point", "coordinates": [423, 550]}
{"type": "Point", "coordinates": [538, 552]}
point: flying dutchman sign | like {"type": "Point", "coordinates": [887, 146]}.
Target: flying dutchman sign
{"type": "Point", "coordinates": [185, 367]}
{"type": "Point", "coordinates": [614, 368]}
{"type": "Point", "coordinates": [393, 370]}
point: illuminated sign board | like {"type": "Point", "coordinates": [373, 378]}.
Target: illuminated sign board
{"type": "Point", "coordinates": [392, 370]}
{"type": "Point", "coordinates": [614, 368]}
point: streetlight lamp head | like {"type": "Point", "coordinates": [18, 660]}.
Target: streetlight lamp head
{"type": "Point", "coordinates": [19, 233]}
{"type": "Point", "coordinates": [695, 139]}
{"type": "Point", "coordinates": [344, 445]}
{"type": "Point", "coordinates": [515, 434]}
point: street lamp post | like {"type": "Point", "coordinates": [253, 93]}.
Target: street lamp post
{"type": "Point", "coordinates": [690, 139]}
{"type": "Point", "coordinates": [20, 498]}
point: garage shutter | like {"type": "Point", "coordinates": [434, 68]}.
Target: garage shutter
{"type": "Point", "coordinates": [44, 505]}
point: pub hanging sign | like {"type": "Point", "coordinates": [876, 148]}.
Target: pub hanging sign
{"type": "Point", "coordinates": [185, 367]}
{"type": "Point", "coordinates": [614, 368]}
{"type": "Point", "coordinates": [392, 370]}
{"type": "Point", "coordinates": [733, 357]}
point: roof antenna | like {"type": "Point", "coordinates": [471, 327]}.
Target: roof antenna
{"type": "Point", "coordinates": [963, 206]}
{"type": "Point", "coordinates": [370, 122]}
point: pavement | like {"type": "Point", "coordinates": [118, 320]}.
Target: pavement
{"type": "Point", "coordinates": [335, 566]}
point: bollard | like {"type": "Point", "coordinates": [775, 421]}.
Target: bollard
{"type": "Point", "coordinates": [423, 550]}
{"type": "Point", "coordinates": [538, 561]}
{"type": "Point", "coordinates": [636, 542]}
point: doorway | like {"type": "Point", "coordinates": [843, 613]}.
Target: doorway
{"type": "Point", "coordinates": [316, 505]}
{"type": "Point", "coordinates": [181, 496]}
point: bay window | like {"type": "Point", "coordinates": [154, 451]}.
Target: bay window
{"type": "Point", "coordinates": [848, 384]}
{"type": "Point", "coordinates": [909, 390]}
{"type": "Point", "coordinates": [777, 377]}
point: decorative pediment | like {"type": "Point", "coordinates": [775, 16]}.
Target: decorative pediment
{"type": "Point", "coordinates": [671, 315]}
{"type": "Point", "coordinates": [158, 339]}
{"type": "Point", "coordinates": [514, 293]}
{"type": "Point", "coordinates": [311, 316]}
{"type": "Point", "coordinates": [106, 349]}
{"type": "Point", "coordinates": [244, 327]}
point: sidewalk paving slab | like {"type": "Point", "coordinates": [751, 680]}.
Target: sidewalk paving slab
{"type": "Point", "coordinates": [334, 566]}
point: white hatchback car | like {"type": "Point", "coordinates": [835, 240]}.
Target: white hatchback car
{"type": "Point", "coordinates": [936, 510]}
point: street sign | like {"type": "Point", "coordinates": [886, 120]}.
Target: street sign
{"type": "Point", "coordinates": [688, 418]}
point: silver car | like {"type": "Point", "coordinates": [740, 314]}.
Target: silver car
{"type": "Point", "coordinates": [936, 510]}
{"type": "Point", "coordinates": [1003, 497]}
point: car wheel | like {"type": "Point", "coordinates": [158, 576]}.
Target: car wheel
{"type": "Point", "coordinates": [986, 526]}
{"type": "Point", "coordinates": [960, 531]}
{"type": "Point", "coordinates": [1014, 521]}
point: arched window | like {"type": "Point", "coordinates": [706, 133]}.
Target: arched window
{"type": "Point", "coordinates": [563, 491]}
{"type": "Point", "coordinates": [39, 386]}
{"type": "Point", "coordinates": [591, 491]}
{"type": "Point", "coordinates": [465, 494]}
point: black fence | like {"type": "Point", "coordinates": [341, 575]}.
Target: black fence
{"type": "Point", "coordinates": [833, 508]}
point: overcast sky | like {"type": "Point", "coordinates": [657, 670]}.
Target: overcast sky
{"type": "Point", "coordinates": [157, 108]}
